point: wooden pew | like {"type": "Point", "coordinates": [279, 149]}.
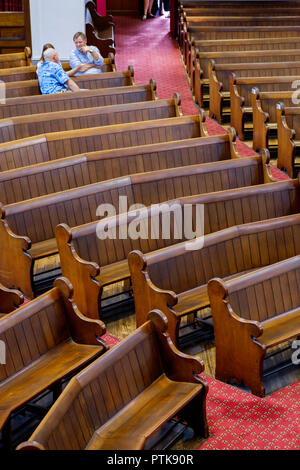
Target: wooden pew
{"type": "Point", "coordinates": [49, 177]}
{"type": "Point", "coordinates": [28, 227]}
{"type": "Point", "coordinates": [233, 32]}
{"type": "Point", "coordinates": [55, 145]}
{"type": "Point", "coordinates": [227, 45]}
{"type": "Point", "coordinates": [105, 45]}
{"type": "Point", "coordinates": [235, 57]}
{"type": "Point", "coordinates": [264, 114]}
{"type": "Point", "coordinates": [170, 384]}
{"type": "Point", "coordinates": [175, 278]}
{"type": "Point", "coordinates": [100, 30]}
{"type": "Point", "coordinates": [104, 80]}
{"type": "Point", "coordinates": [252, 314]}
{"type": "Point", "coordinates": [195, 24]}
{"type": "Point", "coordinates": [29, 105]}
{"type": "Point", "coordinates": [10, 299]}
{"type": "Point", "coordinates": [237, 8]}
{"type": "Point", "coordinates": [250, 56]}
{"type": "Point", "coordinates": [219, 75]}
{"type": "Point", "coordinates": [28, 72]}
{"type": "Point", "coordinates": [288, 119]}
{"type": "Point", "coordinates": [17, 59]}
{"type": "Point", "coordinates": [93, 262]}
{"type": "Point", "coordinates": [240, 97]}
{"type": "Point", "coordinates": [37, 336]}
{"type": "Point", "coordinates": [27, 126]}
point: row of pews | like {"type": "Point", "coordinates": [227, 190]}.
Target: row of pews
{"type": "Point", "coordinates": [242, 61]}
{"type": "Point", "coordinates": [64, 159]}
{"type": "Point", "coordinates": [100, 30]}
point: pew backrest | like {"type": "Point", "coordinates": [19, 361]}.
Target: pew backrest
{"type": "Point", "coordinates": [89, 251]}
{"type": "Point", "coordinates": [52, 146]}
{"type": "Point", "coordinates": [21, 127]}
{"type": "Point", "coordinates": [17, 59]}
{"type": "Point", "coordinates": [138, 364]}
{"type": "Point", "coordinates": [58, 175]}
{"type": "Point", "coordinates": [29, 105]}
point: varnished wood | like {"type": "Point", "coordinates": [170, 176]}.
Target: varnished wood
{"type": "Point", "coordinates": [39, 179]}
{"type": "Point", "coordinates": [92, 263]}
{"type": "Point", "coordinates": [29, 105]}
{"type": "Point", "coordinates": [264, 114]}
{"type": "Point", "coordinates": [219, 75]}
{"type": "Point", "coordinates": [104, 408]}
{"type": "Point", "coordinates": [254, 44]}
{"type": "Point", "coordinates": [251, 314]}
{"type": "Point", "coordinates": [109, 78]}
{"type": "Point", "coordinates": [17, 59]}
{"type": "Point", "coordinates": [163, 278]}
{"type": "Point", "coordinates": [27, 126]}
{"type": "Point", "coordinates": [36, 219]}
{"type": "Point", "coordinates": [56, 145]}
{"type": "Point", "coordinates": [287, 119]}
{"type": "Point", "coordinates": [240, 97]}
{"type": "Point", "coordinates": [37, 336]}
{"type": "Point", "coordinates": [10, 299]}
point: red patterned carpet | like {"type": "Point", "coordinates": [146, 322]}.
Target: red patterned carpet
{"type": "Point", "coordinates": [240, 421]}
{"type": "Point", "coordinates": [148, 47]}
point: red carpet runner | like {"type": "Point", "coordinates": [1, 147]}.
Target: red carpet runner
{"type": "Point", "coordinates": [148, 47]}
{"type": "Point", "coordinates": [240, 421]}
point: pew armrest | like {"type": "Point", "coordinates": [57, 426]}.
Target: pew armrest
{"type": "Point", "coordinates": [9, 299]}
{"type": "Point", "coordinates": [215, 93]}
{"type": "Point", "coordinates": [81, 273]}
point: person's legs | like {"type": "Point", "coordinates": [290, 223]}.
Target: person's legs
{"type": "Point", "coordinates": [150, 8]}
{"type": "Point", "coordinates": [161, 11]}
{"type": "Point", "coordinates": [167, 8]}
{"type": "Point", "coordinates": [146, 6]}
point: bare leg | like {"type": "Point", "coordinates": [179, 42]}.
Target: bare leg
{"type": "Point", "coordinates": [150, 7]}
{"type": "Point", "coordinates": [146, 6]}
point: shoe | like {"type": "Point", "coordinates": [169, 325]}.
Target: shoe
{"type": "Point", "coordinates": [167, 15]}
{"type": "Point", "coordinates": [144, 18]}
{"type": "Point", "coordinates": [150, 15]}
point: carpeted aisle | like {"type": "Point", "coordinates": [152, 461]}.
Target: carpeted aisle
{"type": "Point", "coordinates": [149, 48]}
{"type": "Point", "coordinates": [240, 421]}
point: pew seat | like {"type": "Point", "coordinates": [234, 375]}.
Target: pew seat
{"type": "Point", "coordinates": [92, 263]}
{"type": "Point", "coordinates": [16, 59]}
{"type": "Point", "coordinates": [140, 404]}
{"type": "Point", "coordinates": [116, 94]}
{"type": "Point", "coordinates": [219, 76]}
{"type": "Point", "coordinates": [264, 115]}
{"type": "Point", "coordinates": [32, 222]}
{"type": "Point", "coordinates": [163, 278]}
{"type": "Point", "coordinates": [252, 314]}
{"type": "Point", "coordinates": [28, 126]}
{"type": "Point", "coordinates": [54, 329]}
{"type": "Point", "coordinates": [287, 121]}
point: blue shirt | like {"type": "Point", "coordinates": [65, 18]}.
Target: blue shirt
{"type": "Point", "coordinates": [77, 58]}
{"type": "Point", "coordinates": [52, 78]}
